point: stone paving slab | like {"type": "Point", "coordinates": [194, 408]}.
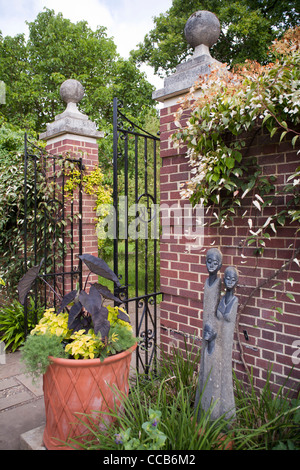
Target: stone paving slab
{"type": "Point", "coordinates": [15, 399]}
{"type": "Point", "coordinates": [12, 366]}
{"type": "Point", "coordinates": [21, 403]}
{"type": "Point", "coordinates": [35, 388]}
{"type": "Point", "coordinates": [19, 419]}
{"type": "Point", "coordinates": [33, 439]}
{"type": "Point", "coordinates": [9, 370]}
{"type": "Point", "coordinates": [8, 383]}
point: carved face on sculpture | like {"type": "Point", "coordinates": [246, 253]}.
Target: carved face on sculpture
{"type": "Point", "coordinates": [213, 260]}
{"type": "Point", "coordinates": [230, 278]}
{"type": "Point", "coordinates": [208, 333]}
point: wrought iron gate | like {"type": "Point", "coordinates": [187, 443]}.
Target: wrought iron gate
{"type": "Point", "coordinates": [136, 254]}
{"type": "Point", "coordinates": [49, 229]}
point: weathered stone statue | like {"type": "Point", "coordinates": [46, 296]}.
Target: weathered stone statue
{"type": "Point", "coordinates": [208, 377]}
{"type": "Point", "coordinates": [226, 314]}
{"type": "Point", "coordinates": [219, 315]}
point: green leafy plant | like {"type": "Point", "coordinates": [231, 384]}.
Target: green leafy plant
{"type": "Point", "coordinates": [163, 400]}
{"type": "Point", "coordinates": [181, 366]}
{"type": "Point", "coordinates": [92, 184]}
{"type": "Point", "coordinates": [12, 207]}
{"type": "Point", "coordinates": [153, 438]}
{"type": "Point", "coordinates": [12, 321]}
{"type": "Point", "coordinates": [53, 324]}
{"type": "Point", "coordinates": [40, 199]}
{"type": "Point", "coordinates": [266, 420]}
{"type": "Point", "coordinates": [88, 329]}
{"type": "Point", "coordinates": [230, 105]}
{"type": "Point", "coordinates": [36, 353]}
{"type": "Point", "coordinates": [248, 27]}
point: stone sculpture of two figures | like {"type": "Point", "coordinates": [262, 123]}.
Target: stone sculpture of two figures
{"type": "Point", "coordinates": [215, 386]}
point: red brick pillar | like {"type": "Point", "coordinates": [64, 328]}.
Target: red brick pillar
{"type": "Point", "coordinates": [181, 266]}
{"type": "Point", "coordinates": [73, 135]}
{"type": "Point", "coordinates": [183, 269]}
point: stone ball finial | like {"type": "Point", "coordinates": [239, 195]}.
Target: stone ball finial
{"type": "Point", "coordinates": [71, 91]}
{"type": "Point", "coordinates": [202, 27]}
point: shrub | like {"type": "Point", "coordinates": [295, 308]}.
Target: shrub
{"type": "Point", "coordinates": [263, 421]}
{"type": "Point", "coordinates": [36, 352]}
{"type": "Point", "coordinates": [266, 420]}
{"type": "Point", "coordinates": [230, 105]}
{"type": "Point", "coordinates": [166, 397]}
{"type": "Point", "coordinates": [12, 323]}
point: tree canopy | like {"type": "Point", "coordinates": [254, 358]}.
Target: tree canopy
{"type": "Point", "coordinates": [33, 70]}
{"type": "Point", "coordinates": [56, 50]}
{"type": "Point", "coordinates": [247, 29]}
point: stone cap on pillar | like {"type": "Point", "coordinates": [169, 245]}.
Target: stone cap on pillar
{"type": "Point", "coordinates": [71, 121]}
{"type": "Point", "coordinates": [202, 31]}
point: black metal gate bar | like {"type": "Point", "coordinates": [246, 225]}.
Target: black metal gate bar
{"type": "Point", "coordinates": [38, 246]}
{"type": "Point", "coordinates": [126, 144]}
{"type": "Point", "coordinates": [115, 183]}
{"type": "Point", "coordinates": [25, 226]}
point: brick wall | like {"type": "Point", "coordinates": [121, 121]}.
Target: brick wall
{"type": "Point", "coordinates": [183, 271]}
{"type": "Point", "coordinates": [88, 151]}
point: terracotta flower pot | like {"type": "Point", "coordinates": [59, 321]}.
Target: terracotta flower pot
{"type": "Point", "coordinates": [81, 386]}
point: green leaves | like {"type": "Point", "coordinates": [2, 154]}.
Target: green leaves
{"type": "Point", "coordinates": [56, 50]}
{"type": "Point", "coordinates": [120, 339]}
{"type": "Point", "coordinates": [230, 162]}
{"type": "Point", "coordinates": [291, 296]}
{"type": "Point", "coordinates": [151, 439]}
{"type": "Point", "coordinates": [229, 104]}
{"type": "Point", "coordinates": [36, 353]}
{"type": "Point", "coordinates": [12, 324]}
{"type": "Point", "coordinates": [294, 140]}
{"type": "Point", "coordinates": [248, 28]}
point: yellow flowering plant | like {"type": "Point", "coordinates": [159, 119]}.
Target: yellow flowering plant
{"type": "Point", "coordinates": [84, 345]}
{"type": "Point", "coordinates": [93, 185]}
{"type": "Point", "coordinates": [53, 324]}
{"type": "Point", "coordinates": [84, 327]}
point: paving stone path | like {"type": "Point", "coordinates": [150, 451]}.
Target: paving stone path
{"type": "Point", "coordinates": [21, 403]}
